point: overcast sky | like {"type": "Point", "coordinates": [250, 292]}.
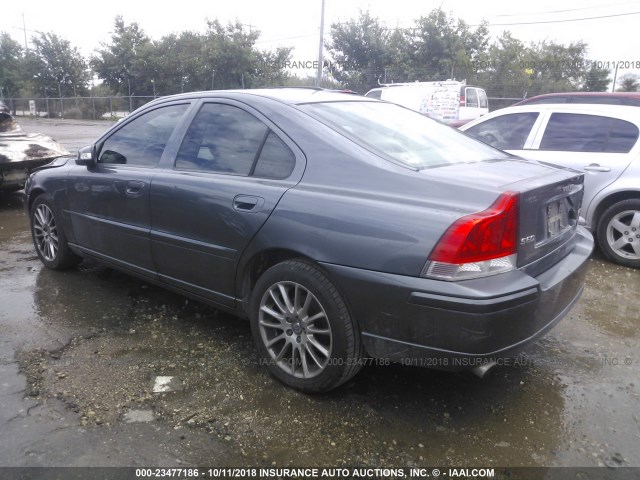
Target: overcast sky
{"type": "Point", "coordinates": [613, 37]}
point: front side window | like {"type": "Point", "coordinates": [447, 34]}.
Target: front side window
{"type": "Point", "coordinates": [572, 132]}
{"type": "Point", "coordinates": [142, 141]}
{"type": "Point", "coordinates": [506, 132]}
{"type": "Point", "coordinates": [226, 139]}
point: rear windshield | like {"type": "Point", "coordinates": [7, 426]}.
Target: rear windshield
{"type": "Point", "coordinates": [401, 134]}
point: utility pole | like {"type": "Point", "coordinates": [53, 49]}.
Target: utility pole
{"type": "Point", "coordinates": [24, 29]}
{"type": "Point", "coordinates": [320, 47]}
{"type": "Point", "coordinates": [130, 99]}
{"type": "Point", "coordinates": [61, 105]}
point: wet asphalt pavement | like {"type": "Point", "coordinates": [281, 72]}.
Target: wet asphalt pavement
{"type": "Point", "coordinates": [80, 350]}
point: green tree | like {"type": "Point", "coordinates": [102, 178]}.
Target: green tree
{"type": "Point", "coordinates": [270, 69]}
{"type": "Point", "coordinates": [596, 79]}
{"type": "Point", "coordinates": [628, 83]}
{"type": "Point", "coordinates": [11, 62]}
{"type": "Point", "coordinates": [507, 71]}
{"type": "Point", "coordinates": [558, 67]}
{"type": "Point", "coordinates": [176, 64]}
{"type": "Point", "coordinates": [360, 51]}
{"type": "Point", "coordinates": [516, 70]}
{"type": "Point", "coordinates": [229, 54]}
{"type": "Point", "coordinates": [124, 63]}
{"type": "Point", "coordinates": [54, 65]}
{"type": "Point", "coordinates": [444, 47]}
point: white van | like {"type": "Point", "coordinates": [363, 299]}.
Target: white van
{"type": "Point", "coordinates": [447, 101]}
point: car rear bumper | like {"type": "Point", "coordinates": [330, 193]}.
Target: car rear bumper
{"type": "Point", "coordinates": [459, 325]}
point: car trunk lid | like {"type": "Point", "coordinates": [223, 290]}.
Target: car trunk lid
{"type": "Point", "coordinates": [550, 198]}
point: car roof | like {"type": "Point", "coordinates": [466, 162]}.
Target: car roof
{"type": "Point", "coordinates": [622, 111]}
{"type": "Point", "coordinates": [587, 94]}
{"type": "Point", "coordinates": [625, 112]}
{"type": "Point", "coordinates": [288, 95]}
{"type": "Point", "coordinates": [635, 95]}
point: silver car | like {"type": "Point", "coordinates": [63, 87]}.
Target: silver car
{"type": "Point", "coordinates": [600, 140]}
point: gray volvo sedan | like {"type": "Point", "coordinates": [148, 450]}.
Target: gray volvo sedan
{"type": "Point", "coordinates": [343, 227]}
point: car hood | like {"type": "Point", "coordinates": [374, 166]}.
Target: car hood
{"type": "Point", "coordinates": [18, 146]}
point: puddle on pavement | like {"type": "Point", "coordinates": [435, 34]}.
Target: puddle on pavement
{"type": "Point", "coordinates": [380, 418]}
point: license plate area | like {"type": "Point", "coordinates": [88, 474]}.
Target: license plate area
{"type": "Point", "coordinates": [555, 219]}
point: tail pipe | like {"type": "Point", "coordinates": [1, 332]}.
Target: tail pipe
{"type": "Point", "coordinates": [481, 370]}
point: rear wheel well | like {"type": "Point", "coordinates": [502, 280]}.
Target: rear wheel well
{"type": "Point", "coordinates": [260, 263]}
{"type": "Point", "coordinates": [264, 260]}
{"type": "Point", "coordinates": [607, 202]}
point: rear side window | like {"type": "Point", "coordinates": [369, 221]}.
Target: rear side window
{"type": "Point", "coordinates": [506, 132]}
{"type": "Point", "coordinates": [471, 97]}
{"type": "Point", "coordinates": [374, 94]}
{"type": "Point", "coordinates": [482, 98]}
{"type": "Point", "coordinates": [572, 132]}
{"type": "Point", "coordinates": [399, 134]}
{"type": "Point", "coordinates": [142, 141]}
{"type": "Point", "coordinates": [226, 139]}
{"type": "Point", "coordinates": [275, 160]}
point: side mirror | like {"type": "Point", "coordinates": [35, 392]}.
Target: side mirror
{"type": "Point", "coordinates": [86, 156]}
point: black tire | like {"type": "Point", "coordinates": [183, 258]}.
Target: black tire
{"type": "Point", "coordinates": [619, 233]}
{"type": "Point", "coordinates": [48, 236]}
{"type": "Point", "coordinates": [306, 357]}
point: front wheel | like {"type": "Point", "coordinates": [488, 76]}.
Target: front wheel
{"type": "Point", "coordinates": [48, 237]}
{"type": "Point", "coordinates": [619, 233]}
{"type": "Point", "coordinates": [303, 329]}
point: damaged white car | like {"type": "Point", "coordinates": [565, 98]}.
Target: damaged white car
{"type": "Point", "coordinates": [21, 152]}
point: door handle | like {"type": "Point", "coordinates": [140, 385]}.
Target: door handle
{"type": "Point", "coordinates": [134, 188]}
{"type": "Point", "coordinates": [247, 203]}
{"type": "Point", "coordinates": [594, 167]}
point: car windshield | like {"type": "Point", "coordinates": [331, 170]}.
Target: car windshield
{"type": "Point", "coordinates": [401, 134]}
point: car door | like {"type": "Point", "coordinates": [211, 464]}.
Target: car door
{"type": "Point", "coordinates": [109, 201]}
{"type": "Point", "coordinates": [231, 169]}
{"type": "Point", "coordinates": [599, 145]}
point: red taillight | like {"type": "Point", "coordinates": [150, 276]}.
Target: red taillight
{"type": "Point", "coordinates": [462, 101]}
{"type": "Point", "coordinates": [481, 236]}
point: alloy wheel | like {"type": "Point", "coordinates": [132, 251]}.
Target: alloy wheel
{"type": "Point", "coordinates": [45, 232]}
{"type": "Point", "coordinates": [623, 234]}
{"type": "Point", "coordinates": [295, 329]}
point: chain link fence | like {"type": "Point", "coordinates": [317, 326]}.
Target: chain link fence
{"type": "Point", "coordinates": [96, 108]}
{"type": "Point", "coordinates": [93, 108]}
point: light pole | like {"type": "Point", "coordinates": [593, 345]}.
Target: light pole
{"type": "Point", "coordinates": [153, 83]}
{"type": "Point", "coordinates": [320, 47]}
{"type": "Point", "coordinates": [213, 76]}
{"type": "Point", "coordinates": [61, 106]}
{"type": "Point", "coordinates": [46, 96]}
{"type": "Point", "coordinates": [130, 100]}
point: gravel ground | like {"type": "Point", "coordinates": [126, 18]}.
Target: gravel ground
{"type": "Point", "coordinates": [81, 351]}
